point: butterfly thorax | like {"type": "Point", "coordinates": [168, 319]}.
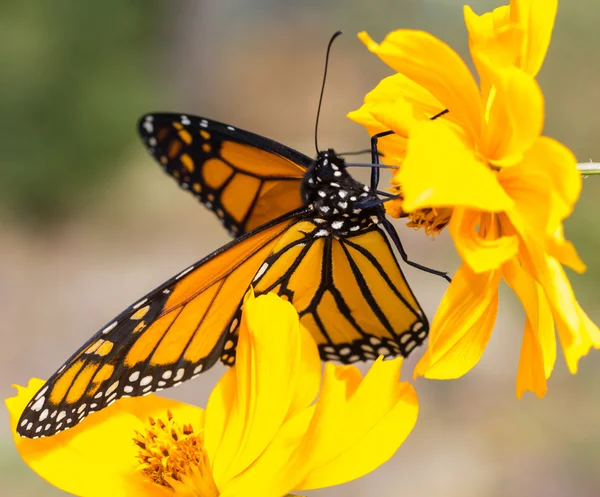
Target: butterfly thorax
{"type": "Point", "coordinates": [338, 200]}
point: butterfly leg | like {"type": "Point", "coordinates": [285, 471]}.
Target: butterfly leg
{"type": "Point", "coordinates": [396, 239]}
{"type": "Point", "coordinates": [375, 153]}
{"type": "Point", "coordinates": [375, 157]}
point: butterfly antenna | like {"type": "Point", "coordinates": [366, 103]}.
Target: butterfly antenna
{"type": "Point", "coordinates": [335, 35]}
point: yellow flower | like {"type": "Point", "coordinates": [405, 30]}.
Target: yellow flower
{"type": "Point", "coordinates": [262, 432]}
{"type": "Point", "coordinates": [484, 167]}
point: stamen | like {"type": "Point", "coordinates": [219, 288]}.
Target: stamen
{"type": "Point", "coordinates": [174, 457]}
{"type": "Point", "coordinates": [432, 220]}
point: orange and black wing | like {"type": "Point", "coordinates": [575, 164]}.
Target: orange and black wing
{"type": "Point", "coordinates": [350, 292]}
{"type": "Point", "coordinates": [246, 179]}
{"type": "Point", "coordinates": [171, 335]}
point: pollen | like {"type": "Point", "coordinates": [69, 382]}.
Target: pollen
{"type": "Point", "coordinates": [433, 221]}
{"type": "Point", "coordinates": [173, 456]}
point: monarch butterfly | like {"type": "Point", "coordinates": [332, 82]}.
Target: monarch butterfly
{"type": "Point", "coordinates": [305, 229]}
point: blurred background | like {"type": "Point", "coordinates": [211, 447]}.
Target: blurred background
{"type": "Point", "coordinates": [88, 222]}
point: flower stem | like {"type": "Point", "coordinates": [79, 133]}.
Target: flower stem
{"type": "Point", "coordinates": [589, 168]}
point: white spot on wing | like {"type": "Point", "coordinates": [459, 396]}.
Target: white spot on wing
{"type": "Point", "coordinates": [261, 271]}
{"type": "Point", "coordinates": [109, 328]}
{"type": "Point", "coordinates": [38, 404]}
{"type": "Point", "coordinates": [41, 392]}
{"type": "Point", "coordinates": [140, 303]}
{"type": "Point", "coordinates": [179, 375]}
{"type": "Point", "coordinates": [111, 388]}
{"type": "Point", "coordinates": [183, 273]}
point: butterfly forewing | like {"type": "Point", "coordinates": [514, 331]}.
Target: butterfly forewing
{"type": "Point", "coordinates": [169, 336]}
{"type": "Point", "coordinates": [245, 179]}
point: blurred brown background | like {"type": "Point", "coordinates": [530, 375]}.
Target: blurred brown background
{"type": "Point", "coordinates": [88, 222]}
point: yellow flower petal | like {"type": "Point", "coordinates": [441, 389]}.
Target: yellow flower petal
{"type": "Point", "coordinates": [559, 163]}
{"type": "Point", "coordinates": [356, 427]}
{"type": "Point", "coordinates": [577, 333]}
{"type": "Point", "coordinates": [481, 252]}
{"type": "Point", "coordinates": [564, 251]}
{"type": "Point", "coordinates": [494, 34]}
{"type": "Point", "coordinates": [442, 170]}
{"type": "Point", "coordinates": [537, 19]}
{"type": "Point", "coordinates": [515, 114]}
{"type": "Point", "coordinates": [436, 67]}
{"type": "Point", "coordinates": [308, 374]}
{"type": "Point", "coordinates": [392, 146]}
{"type": "Point", "coordinates": [218, 410]}
{"type": "Point", "coordinates": [462, 325]}
{"type": "Point", "coordinates": [268, 476]}
{"type": "Point", "coordinates": [530, 186]}
{"type": "Point", "coordinates": [398, 116]}
{"type": "Point", "coordinates": [398, 86]}
{"type": "Point", "coordinates": [97, 457]}
{"type": "Point", "coordinates": [538, 351]}
{"type": "Point", "coordinates": [269, 386]}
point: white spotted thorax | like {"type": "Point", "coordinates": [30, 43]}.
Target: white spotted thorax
{"type": "Point", "coordinates": [336, 198]}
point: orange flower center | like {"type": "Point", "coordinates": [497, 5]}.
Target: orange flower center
{"type": "Point", "coordinates": [174, 457]}
{"type": "Point", "coordinates": [432, 220]}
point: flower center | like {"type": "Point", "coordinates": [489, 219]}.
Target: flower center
{"type": "Point", "coordinates": [174, 457]}
{"type": "Point", "coordinates": [432, 220]}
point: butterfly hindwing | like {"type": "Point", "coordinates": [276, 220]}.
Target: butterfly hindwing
{"type": "Point", "coordinates": [349, 291]}
{"type": "Point", "coordinates": [246, 179]}
{"type": "Point", "coordinates": [172, 334]}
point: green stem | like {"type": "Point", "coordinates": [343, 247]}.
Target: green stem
{"type": "Point", "coordinates": [589, 168]}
